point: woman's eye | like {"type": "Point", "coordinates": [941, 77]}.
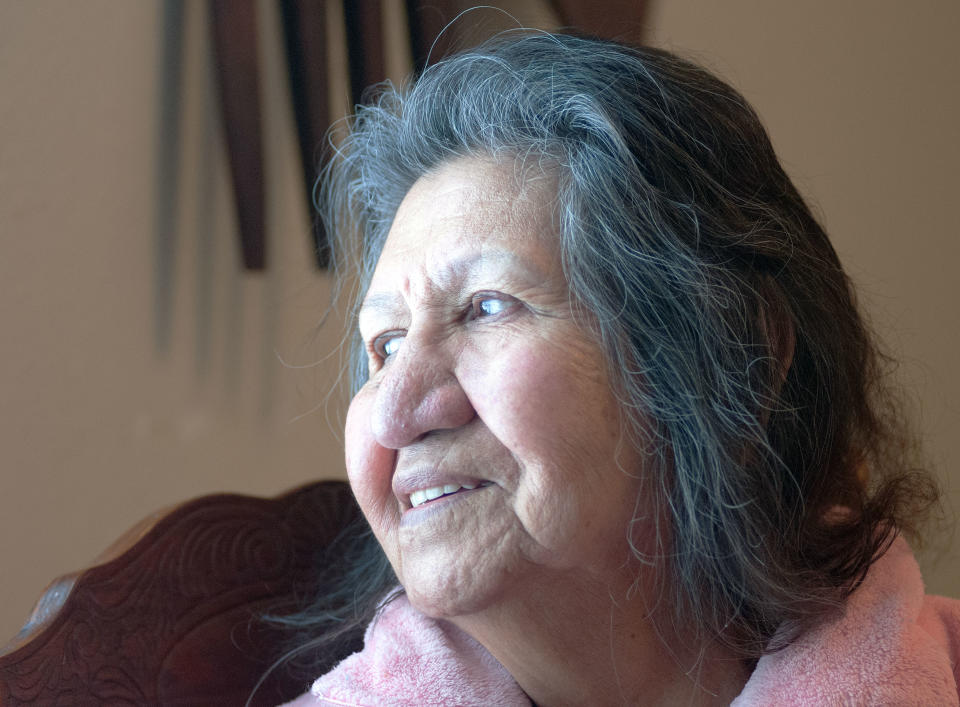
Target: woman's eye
{"type": "Point", "coordinates": [490, 305]}
{"type": "Point", "coordinates": [386, 345]}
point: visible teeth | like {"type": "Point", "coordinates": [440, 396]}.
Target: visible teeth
{"type": "Point", "coordinates": [421, 496]}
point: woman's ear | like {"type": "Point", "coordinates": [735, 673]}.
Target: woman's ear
{"type": "Point", "coordinates": [776, 324]}
{"type": "Point", "coordinates": [779, 339]}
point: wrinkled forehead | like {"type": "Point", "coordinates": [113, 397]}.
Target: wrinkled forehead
{"type": "Point", "coordinates": [473, 205]}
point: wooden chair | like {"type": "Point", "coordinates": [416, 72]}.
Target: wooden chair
{"type": "Point", "coordinates": [171, 615]}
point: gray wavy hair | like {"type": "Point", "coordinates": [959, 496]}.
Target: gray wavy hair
{"type": "Point", "coordinates": [731, 330]}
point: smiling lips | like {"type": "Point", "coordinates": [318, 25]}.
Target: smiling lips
{"type": "Point", "coordinates": [421, 496]}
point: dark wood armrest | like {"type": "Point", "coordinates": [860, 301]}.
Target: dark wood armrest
{"type": "Point", "coordinates": [171, 613]}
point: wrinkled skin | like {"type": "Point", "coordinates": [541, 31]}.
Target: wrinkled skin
{"type": "Point", "coordinates": [480, 374]}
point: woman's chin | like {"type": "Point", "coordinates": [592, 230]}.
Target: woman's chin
{"type": "Point", "coordinates": [439, 600]}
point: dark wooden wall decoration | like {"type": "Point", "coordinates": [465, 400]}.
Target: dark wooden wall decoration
{"type": "Point", "coordinates": [427, 20]}
{"type": "Point", "coordinates": [174, 618]}
{"type": "Point", "coordinates": [234, 32]}
{"type": "Point", "coordinates": [431, 37]}
{"type": "Point", "coordinates": [305, 39]}
{"type": "Point", "coordinates": [613, 19]}
{"type": "Point", "coordinates": [166, 201]}
{"type": "Point", "coordinates": [364, 24]}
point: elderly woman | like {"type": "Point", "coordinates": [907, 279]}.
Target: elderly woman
{"type": "Point", "coordinates": [618, 429]}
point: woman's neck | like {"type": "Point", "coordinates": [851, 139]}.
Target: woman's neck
{"type": "Point", "coordinates": [567, 640]}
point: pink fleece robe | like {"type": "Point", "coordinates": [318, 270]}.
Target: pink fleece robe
{"type": "Point", "coordinates": [891, 646]}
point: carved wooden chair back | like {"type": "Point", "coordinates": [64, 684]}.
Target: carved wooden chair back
{"type": "Point", "coordinates": [173, 613]}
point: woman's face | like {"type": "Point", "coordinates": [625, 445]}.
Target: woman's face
{"type": "Point", "coordinates": [483, 388]}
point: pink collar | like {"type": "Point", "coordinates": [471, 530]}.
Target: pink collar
{"type": "Point", "coordinates": [890, 646]}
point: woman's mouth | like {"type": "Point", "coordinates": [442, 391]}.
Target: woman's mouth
{"type": "Point", "coordinates": [421, 496]}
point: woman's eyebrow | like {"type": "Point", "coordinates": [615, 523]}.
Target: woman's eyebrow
{"type": "Point", "coordinates": [380, 302]}
{"type": "Point", "coordinates": [457, 269]}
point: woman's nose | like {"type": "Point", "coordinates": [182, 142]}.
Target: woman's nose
{"type": "Point", "coordinates": [417, 394]}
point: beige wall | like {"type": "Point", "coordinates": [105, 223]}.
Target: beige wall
{"type": "Point", "coordinates": [98, 426]}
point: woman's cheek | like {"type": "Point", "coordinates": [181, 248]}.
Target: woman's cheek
{"type": "Point", "coordinates": [507, 389]}
{"type": "Point", "coordinates": [369, 465]}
